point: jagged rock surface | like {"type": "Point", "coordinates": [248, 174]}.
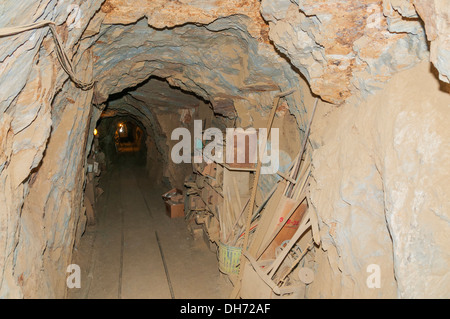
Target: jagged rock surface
{"type": "Point", "coordinates": [380, 192]}
{"type": "Point", "coordinates": [344, 48]}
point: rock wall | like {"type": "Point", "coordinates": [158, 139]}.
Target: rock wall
{"type": "Point", "coordinates": [434, 13]}
{"type": "Point", "coordinates": [42, 145]}
{"type": "Point", "coordinates": [381, 193]}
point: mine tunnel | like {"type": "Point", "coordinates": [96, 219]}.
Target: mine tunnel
{"type": "Point", "coordinates": [272, 149]}
{"type": "Point", "coordinates": [157, 248]}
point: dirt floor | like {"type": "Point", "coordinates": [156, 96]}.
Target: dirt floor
{"type": "Point", "coordinates": [136, 251]}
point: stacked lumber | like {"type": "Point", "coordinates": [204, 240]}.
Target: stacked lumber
{"type": "Point", "coordinates": [279, 233]}
{"type": "Point", "coordinates": [217, 197]}
{"type": "Point", "coordinates": [276, 237]}
{"type": "Point", "coordinates": [273, 252]}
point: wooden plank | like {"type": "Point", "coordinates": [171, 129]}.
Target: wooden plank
{"type": "Point", "coordinates": [236, 192]}
{"type": "Point", "coordinates": [233, 210]}
{"type": "Point", "coordinates": [242, 180]}
{"type": "Point", "coordinates": [251, 205]}
{"type": "Point", "coordinates": [291, 216]}
{"type": "Point", "coordinates": [266, 218]}
{"type": "Point", "coordinates": [256, 284]}
{"type": "Point", "coordinates": [303, 227]}
{"type": "Point", "coordinates": [287, 177]}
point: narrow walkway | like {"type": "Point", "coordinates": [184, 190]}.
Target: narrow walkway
{"type": "Point", "coordinates": [137, 251]}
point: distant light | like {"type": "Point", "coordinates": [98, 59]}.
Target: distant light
{"type": "Point", "coordinates": [95, 132]}
{"type": "Point", "coordinates": [121, 129]}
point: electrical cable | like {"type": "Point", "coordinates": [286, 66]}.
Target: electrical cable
{"type": "Point", "coordinates": [63, 59]}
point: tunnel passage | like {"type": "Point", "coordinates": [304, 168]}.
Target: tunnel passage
{"type": "Point", "coordinates": [138, 122]}
{"type": "Point", "coordinates": [121, 135]}
{"type": "Point", "coordinates": [134, 244]}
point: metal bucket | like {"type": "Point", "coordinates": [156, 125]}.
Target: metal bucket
{"type": "Point", "coordinates": [229, 259]}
